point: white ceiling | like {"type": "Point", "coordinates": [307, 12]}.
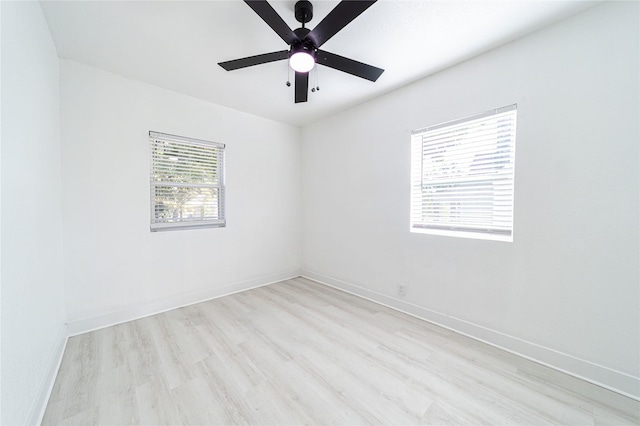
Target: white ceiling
{"type": "Point", "coordinates": [177, 45]}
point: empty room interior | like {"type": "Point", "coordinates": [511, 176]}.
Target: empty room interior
{"type": "Point", "coordinates": [436, 222]}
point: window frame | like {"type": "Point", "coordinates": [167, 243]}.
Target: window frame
{"type": "Point", "coordinates": [220, 186]}
{"type": "Point", "coordinates": [493, 213]}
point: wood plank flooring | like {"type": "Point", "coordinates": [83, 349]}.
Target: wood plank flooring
{"type": "Point", "coordinates": [298, 352]}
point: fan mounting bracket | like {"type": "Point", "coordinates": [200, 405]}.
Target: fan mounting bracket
{"type": "Point", "coordinates": [303, 11]}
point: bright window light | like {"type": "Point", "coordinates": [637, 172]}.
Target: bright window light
{"type": "Point", "coordinates": [462, 176]}
{"type": "Point", "coordinates": [187, 183]}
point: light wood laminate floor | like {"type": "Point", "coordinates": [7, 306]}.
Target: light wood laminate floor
{"type": "Point", "coordinates": [298, 352]}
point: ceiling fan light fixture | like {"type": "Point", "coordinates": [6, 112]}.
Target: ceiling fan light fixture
{"type": "Point", "coordinates": [301, 58]}
{"type": "Point", "coordinates": [302, 62]}
{"type": "Point", "coordinates": [304, 44]}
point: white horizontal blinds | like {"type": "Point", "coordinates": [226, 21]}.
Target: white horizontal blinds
{"type": "Point", "coordinates": [187, 182]}
{"type": "Point", "coordinates": [462, 174]}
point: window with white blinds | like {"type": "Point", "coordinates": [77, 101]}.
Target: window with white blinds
{"type": "Point", "coordinates": [462, 175]}
{"type": "Point", "coordinates": [187, 183]}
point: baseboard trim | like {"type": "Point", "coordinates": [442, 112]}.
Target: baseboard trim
{"type": "Point", "coordinates": [85, 325]}
{"type": "Point", "coordinates": [46, 387]}
{"type": "Point", "coordinates": [616, 381]}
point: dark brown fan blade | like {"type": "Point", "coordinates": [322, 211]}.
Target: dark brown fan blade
{"type": "Point", "coordinates": [271, 17]}
{"type": "Point", "coordinates": [347, 65]}
{"type": "Point", "coordinates": [254, 60]}
{"type": "Point", "coordinates": [345, 12]}
{"type": "Point", "coordinates": [302, 86]}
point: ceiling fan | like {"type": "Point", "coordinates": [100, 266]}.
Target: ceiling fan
{"type": "Point", "coordinates": [304, 44]}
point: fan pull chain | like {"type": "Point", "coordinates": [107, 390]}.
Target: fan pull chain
{"type": "Point", "coordinates": [288, 75]}
{"type": "Point", "coordinates": [315, 76]}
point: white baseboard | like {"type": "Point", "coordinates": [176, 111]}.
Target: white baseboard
{"type": "Point", "coordinates": [40, 403]}
{"type": "Point", "coordinates": [600, 375]}
{"type": "Point", "coordinates": [84, 325]}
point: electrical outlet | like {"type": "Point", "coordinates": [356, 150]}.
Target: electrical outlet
{"type": "Point", "coordinates": [402, 290]}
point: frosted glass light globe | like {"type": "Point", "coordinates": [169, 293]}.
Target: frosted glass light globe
{"type": "Point", "coordinates": [301, 62]}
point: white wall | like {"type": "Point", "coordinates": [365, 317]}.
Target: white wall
{"type": "Point", "coordinates": [115, 268]}
{"type": "Point", "coordinates": [566, 291]}
{"type": "Point", "coordinates": [31, 227]}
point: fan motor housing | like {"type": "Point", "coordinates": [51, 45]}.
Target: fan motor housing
{"type": "Point", "coordinates": [307, 48]}
{"type": "Point", "coordinates": [301, 33]}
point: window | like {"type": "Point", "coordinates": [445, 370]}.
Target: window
{"type": "Point", "coordinates": [187, 183]}
{"type": "Point", "coordinates": [462, 176]}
